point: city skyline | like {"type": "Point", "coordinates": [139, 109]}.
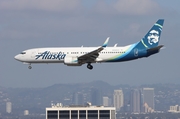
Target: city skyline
{"type": "Point", "coordinates": [36, 99]}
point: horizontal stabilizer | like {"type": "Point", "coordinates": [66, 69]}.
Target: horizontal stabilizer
{"type": "Point", "coordinates": [155, 48]}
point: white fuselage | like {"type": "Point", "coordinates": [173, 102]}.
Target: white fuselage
{"type": "Point", "coordinates": [57, 55]}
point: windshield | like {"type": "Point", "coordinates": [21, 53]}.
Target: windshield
{"type": "Point", "coordinates": [23, 53]}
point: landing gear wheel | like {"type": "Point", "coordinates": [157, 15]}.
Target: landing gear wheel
{"type": "Point", "coordinates": [30, 67]}
{"type": "Point", "coordinates": [89, 66]}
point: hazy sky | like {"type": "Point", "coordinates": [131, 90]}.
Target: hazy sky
{"type": "Point", "coordinates": [28, 24]}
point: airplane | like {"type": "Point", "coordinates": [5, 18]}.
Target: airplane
{"type": "Point", "coordinates": [77, 56]}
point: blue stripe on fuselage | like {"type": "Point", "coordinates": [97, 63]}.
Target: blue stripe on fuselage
{"type": "Point", "coordinates": [124, 56]}
{"type": "Point", "coordinates": [130, 54]}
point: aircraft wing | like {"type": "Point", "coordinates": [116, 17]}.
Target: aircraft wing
{"type": "Point", "coordinates": [90, 57]}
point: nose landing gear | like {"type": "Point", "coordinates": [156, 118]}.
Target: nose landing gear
{"type": "Point", "coordinates": [29, 67]}
{"type": "Point", "coordinates": [89, 66]}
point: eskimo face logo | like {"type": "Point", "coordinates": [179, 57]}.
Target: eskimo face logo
{"type": "Point", "coordinates": [153, 37]}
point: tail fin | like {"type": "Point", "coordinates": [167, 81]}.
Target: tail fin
{"type": "Point", "coordinates": [152, 38]}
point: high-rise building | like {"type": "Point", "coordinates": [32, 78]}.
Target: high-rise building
{"type": "Point", "coordinates": [148, 99]}
{"type": "Point", "coordinates": [26, 112]}
{"type": "Point", "coordinates": [174, 109]}
{"type": "Point", "coordinates": [118, 99]}
{"type": "Point", "coordinates": [96, 97]}
{"type": "Point", "coordinates": [106, 101]}
{"type": "Point", "coordinates": [78, 98]}
{"type": "Point", "coordinates": [135, 101]}
{"type": "Point", "coordinates": [8, 107]}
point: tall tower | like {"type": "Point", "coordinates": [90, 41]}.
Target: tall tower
{"type": "Point", "coordinates": [148, 99]}
{"type": "Point", "coordinates": [96, 97]}
{"type": "Point", "coordinates": [78, 99]}
{"type": "Point", "coordinates": [106, 101]}
{"type": "Point", "coordinates": [118, 99]}
{"type": "Point", "coordinates": [8, 107]}
{"type": "Point", "coordinates": [135, 102]}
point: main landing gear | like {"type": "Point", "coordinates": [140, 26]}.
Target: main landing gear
{"type": "Point", "coordinates": [89, 66]}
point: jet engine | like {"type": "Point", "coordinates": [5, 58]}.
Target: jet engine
{"type": "Point", "coordinates": [71, 61]}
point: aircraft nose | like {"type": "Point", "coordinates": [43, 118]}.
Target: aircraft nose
{"type": "Point", "coordinates": [17, 57]}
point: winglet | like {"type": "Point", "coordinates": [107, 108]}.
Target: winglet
{"type": "Point", "coordinates": [106, 42]}
{"type": "Point", "coordinates": [115, 45]}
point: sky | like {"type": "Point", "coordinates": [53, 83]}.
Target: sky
{"type": "Point", "coordinates": [26, 24]}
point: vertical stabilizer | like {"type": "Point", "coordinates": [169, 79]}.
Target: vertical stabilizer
{"type": "Point", "coordinates": [152, 38]}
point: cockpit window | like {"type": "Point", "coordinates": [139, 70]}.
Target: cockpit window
{"type": "Point", "coordinates": [23, 53]}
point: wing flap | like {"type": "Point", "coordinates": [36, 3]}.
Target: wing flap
{"type": "Point", "coordinates": [90, 57]}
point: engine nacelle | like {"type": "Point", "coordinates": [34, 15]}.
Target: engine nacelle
{"type": "Point", "coordinates": [71, 61]}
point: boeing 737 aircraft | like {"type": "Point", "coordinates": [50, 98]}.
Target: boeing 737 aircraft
{"type": "Point", "coordinates": [77, 56]}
